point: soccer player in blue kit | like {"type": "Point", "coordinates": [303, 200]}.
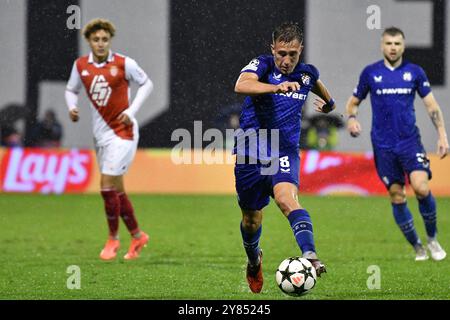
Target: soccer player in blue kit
{"type": "Point", "coordinates": [276, 87]}
{"type": "Point", "coordinates": [393, 83]}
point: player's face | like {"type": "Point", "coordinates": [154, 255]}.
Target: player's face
{"type": "Point", "coordinates": [393, 47]}
{"type": "Point", "coordinates": [286, 55]}
{"type": "Point", "coordinates": [100, 43]}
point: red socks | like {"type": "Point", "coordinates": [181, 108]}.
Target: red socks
{"type": "Point", "coordinates": [112, 209]}
{"type": "Point", "coordinates": [117, 204]}
{"type": "Point", "coordinates": [127, 214]}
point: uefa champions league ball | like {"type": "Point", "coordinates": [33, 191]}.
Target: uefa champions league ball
{"type": "Point", "coordinates": [296, 276]}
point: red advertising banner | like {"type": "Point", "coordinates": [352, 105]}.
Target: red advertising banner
{"type": "Point", "coordinates": [339, 173]}
{"type": "Point", "coordinates": [155, 171]}
{"type": "Point", "coordinates": [46, 170]}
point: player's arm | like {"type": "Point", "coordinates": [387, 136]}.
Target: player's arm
{"type": "Point", "coordinates": [71, 94]}
{"type": "Point", "coordinates": [72, 102]}
{"type": "Point", "coordinates": [141, 95]}
{"type": "Point", "coordinates": [249, 84]}
{"type": "Point", "coordinates": [325, 103]}
{"type": "Point", "coordinates": [435, 113]}
{"type": "Point", "coordinates": [351, 109]}
{"type": "Point", "coordinates": [134, 73]}
{"type": "Point", "coordinates": [352, 106]}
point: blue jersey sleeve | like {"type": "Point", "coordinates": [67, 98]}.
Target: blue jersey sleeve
{"type": "Point", "coordinates": [363, 87]}
{"type": "Point", "coordinates": [314, 73]}
{"type": "Point", "coordinates": [422, 83]}
{"type": "Point", "coordinates": [258, 65]}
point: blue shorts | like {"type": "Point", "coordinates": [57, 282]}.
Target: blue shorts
{"type": "Point", "coordinates": [255, 182]}
{"type": "Point", "coordinates": [393, 164]}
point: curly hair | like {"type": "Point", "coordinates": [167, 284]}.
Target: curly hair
{"type": "Point", "coordinates": [98, 24]}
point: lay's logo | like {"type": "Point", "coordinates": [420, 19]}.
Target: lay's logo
{"type": "Point", "coordinates": [46, 171]}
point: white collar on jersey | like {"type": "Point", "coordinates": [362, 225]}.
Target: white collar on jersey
{"type": "Point", "coordinates": [109, 59]}
{"type": "Point", "coordinates": [391, 68]}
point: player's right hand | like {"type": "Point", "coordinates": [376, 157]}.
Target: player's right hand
{"type": "Point", "coordinates": [73, 114]}
{"type": "Point", "coordinates": [353, 127]}
{"type": "Point", "coordinates": [287, 86]}
{"type": "Point", "coordinates": [443, 147]}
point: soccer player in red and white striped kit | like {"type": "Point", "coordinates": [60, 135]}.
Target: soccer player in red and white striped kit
{"type": "Point", "coordinates": [105, 76]}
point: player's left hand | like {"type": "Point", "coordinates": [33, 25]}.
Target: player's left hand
{"type": "Point", "coordinates": [125, 119]}
{"type": "Point", "coordinates": [443, 147]}
{"type": "Point", "coordinates": [321, 106]}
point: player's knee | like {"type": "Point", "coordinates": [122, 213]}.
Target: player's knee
{"type": "Point", "coordinates": [398, 198]}
{"type": "Point", "coordinates": [397, 195]}
{"type": "Point", "coordinates": [251, 223]}
{"type": "Point", "coordinates": [285, 202]}
{"type": "Point", "coordinates": [421, 190]}
{"type": "Point", "coordinates": [251, 226]}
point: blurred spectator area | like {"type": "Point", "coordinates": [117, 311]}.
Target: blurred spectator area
{"type": "Point", "coordinates": [320, 132]}
{"type": "Point", "coordinates": [48, 131]}
{"type": "Point", "coordinates": [12, 118]}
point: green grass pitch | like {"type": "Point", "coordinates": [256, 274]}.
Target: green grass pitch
{"type": "Point", "coordinates": [195, 249]}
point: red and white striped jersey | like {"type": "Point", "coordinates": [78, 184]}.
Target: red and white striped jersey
{"type": "Point", "coordinates": [107, 87]}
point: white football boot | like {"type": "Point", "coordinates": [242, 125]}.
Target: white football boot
{"type": "Point", "coordinates": [421, 252]}
{"type": "Point", "coordinates": [437, 253]}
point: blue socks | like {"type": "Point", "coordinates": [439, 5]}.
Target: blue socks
{"type": "Point", "coordinates": [303, 230]}
{"type": "Point", "coordinates": [251, 244]}
{"type": "Point", "coordinates": [405, 222]}
{"type": "Point", "coordinates": [427, 208]}
{"type": "Point", "coordinates": [301, 226]}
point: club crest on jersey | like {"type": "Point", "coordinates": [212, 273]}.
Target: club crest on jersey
{"type": "Point", "coordinates": [378, 79]}
{"type": "Point", "coordinates": [306, 79]}
{"type": "Point", "coordinates": [100, 91]}
{"type": "Point", "coordinates": [114, 71]}
{"type": "Point", "coordinates": [407, 76]}
{"type": "Point", "coordinates": [84, 73]}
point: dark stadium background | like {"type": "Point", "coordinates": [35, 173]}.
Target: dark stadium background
{"type": "Point", "coordinates": [209, 43]}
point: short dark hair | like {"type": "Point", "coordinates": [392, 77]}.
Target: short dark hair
{"type": "Point", "coordinates": [287, 32]}
{"type": "Point", "coordinates": [393, 31]}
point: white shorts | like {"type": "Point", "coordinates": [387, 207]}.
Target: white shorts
{"type": "Point", "coordinates": [115, 158]}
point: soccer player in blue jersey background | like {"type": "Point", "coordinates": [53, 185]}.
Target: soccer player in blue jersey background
{"type": "Point", "coordinates": [276, 87]}
{"type": "Point", "coordinates": [398, 150]}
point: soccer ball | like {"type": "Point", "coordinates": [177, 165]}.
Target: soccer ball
{"type": "Point", "coordinates": [296, 276]}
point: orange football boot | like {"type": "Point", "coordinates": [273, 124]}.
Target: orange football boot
{"type": "Point", "coordinates": [109, 252]}
{"type": "Point", "coordinates": [255, 276]}
{"type": "Point", "coordinates": [136, 246]}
